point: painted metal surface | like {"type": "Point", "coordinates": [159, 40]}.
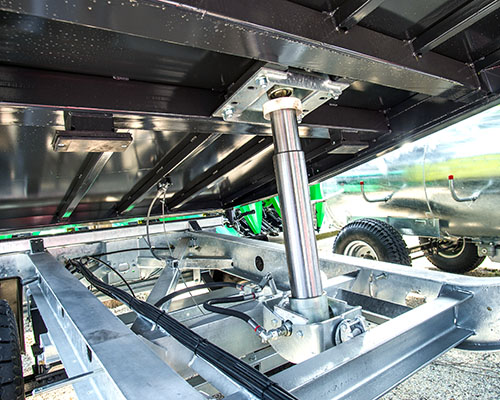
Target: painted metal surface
{"type": "Point", "coordinates": [162, 82]}
{"type": "Point", "coordinates": [450, 178]}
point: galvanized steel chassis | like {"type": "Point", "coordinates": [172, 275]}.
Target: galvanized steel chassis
{"type": "Point", "coordinates": [416, 315]}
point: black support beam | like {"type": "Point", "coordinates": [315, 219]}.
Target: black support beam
{"type": "Point", "coordinates": [455, 23]}
{"type": "Point", "coordinates": [160, 107]}
{"type": "Point", "coordinates": [166, 165]}
{"type": "Point", "coordinates": [275, 31]}
{"type": "Point", "coordinates": [352, 12]}
{"type": "Point", "coordinates": [232, 161]}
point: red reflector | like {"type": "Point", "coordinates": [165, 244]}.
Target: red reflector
{"type": "Point", "coordinates": [450, 177]}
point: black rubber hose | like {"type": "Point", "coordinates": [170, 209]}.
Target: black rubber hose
{"type": "Point", "coordinates": [254, 381]}
{"type": "Point", "coordinates": [209, 306]}
{"type": "Point", "coordinates": [208, 285]}
{"type": "Point", "coordinates": [132, 249]}
{"type": "Point", "coordinates": [115, 271]}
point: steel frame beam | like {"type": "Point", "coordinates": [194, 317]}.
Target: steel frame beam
{"type": "Point", "coordinates": [371, 364]}
{"type": "Point", "coordinates": [161, 107]}
{"type": "Point", "coordinates": [91, 341]}
{"type": "Point", "coordinates": [166, 165]}
{"type": "Point", "coordinates": [82, 182]}
{"type": "Point", "coordinates": [352, 12]}
{"type": "Point", "coordinates": [301, 38]}
{"type": "Point", "coordinates": [457, 311]}
{"type": "Point", "coordinates": [398, 282]}
{"type": "Point", "coordinates": [81, 238]}
{"type": "Point", "coordinates": [63, 90]}
{"type": "Point", "coordinates": [455, 23]}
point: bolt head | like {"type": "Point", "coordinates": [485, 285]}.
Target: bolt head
{"type": "Point", "coordinates": [227, 113]}
{"type": "Point", "coordinates": [300, 334]}
{"type": "Point", "coordinates": [274, 322]}
{"type": "Point", "coordinates": [334, 94]}
{"type": "Point", "coordinates": [61, 145]}
{"type": "Point", "coordinates": [261, 81]}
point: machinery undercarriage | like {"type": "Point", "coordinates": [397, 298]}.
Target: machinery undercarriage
{"type": "Point", "coordinates": [412, 316]}
{"type": "Point", "coordinates": [114, 110]}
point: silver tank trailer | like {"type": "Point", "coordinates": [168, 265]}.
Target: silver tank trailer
{"type": "Point", "coordinates": [444, 186]}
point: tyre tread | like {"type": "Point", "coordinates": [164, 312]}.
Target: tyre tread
{"type": "Point", "coordinates": [11, 371]}
{"type": "Point", "coordinates": [389, 238]}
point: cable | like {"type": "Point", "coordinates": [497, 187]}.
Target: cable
{"type": "Point", "coordinates": [126, 250]}
{"type": "Point", "coordinates": [115, 271]}
{"type": "Point", "coordinates": [164, 224]}
{"type": "Point", "coordinates": [148, 241]}
{"type": "Point", "coordinates": [248, 377]}
{"type": "Point", "coordinates": [208, 285]}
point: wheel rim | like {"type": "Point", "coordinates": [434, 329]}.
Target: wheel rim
{"type": "Point", "coordinates": [450, 248]}
{"type": "Point", "coordinates": [360, 249]}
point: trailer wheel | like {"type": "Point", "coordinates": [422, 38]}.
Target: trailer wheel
{"type": "Point", "coordinates": [11, 370]}
{"type": "Point", "coordinates": [374, 240]}
{"type": "Point", "coordinates": [452, 256]}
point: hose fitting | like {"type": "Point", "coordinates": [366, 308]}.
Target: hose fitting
{"type": "Point", "coordinates": [266, 335]}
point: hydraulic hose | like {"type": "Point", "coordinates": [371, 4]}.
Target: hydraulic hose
{"type": "Point", "coordinates": [209, 306]}
{"type": "Point", "coordinates": [208, 285]}
{"type": "Point", "coordinates": [248, 377]}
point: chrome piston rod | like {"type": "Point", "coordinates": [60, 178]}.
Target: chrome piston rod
{"type": "Point", "coordinates": [293, 190]}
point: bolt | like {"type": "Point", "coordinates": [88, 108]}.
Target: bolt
{"type": "Point", "coordinates": [333, 94]}
{"type": "Point", "coordinates": [61, 145]}
{"type": "Point", "coordinates": [300, 334]}
{"type": "Point", "coordinates": [124, 146]}
{"type": "Point", "coordinates": [274, 322]}
{"type": "Point", "coordinates": [261, 81]}
{"type": "Point", "coordinates": [227, 113]}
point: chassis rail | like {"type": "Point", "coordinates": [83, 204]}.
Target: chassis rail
{"type": "Point", "coordinates": [105, 359]}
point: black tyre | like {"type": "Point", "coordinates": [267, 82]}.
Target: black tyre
{"type": "Point", "coordinates": [452, 256]}
{"type": "Point", "coordinates": [372, 239]}
{"type": "Point", "coordinates": [11, 369]}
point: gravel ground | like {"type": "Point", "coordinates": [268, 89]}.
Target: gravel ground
{"type": "Point", "coordinates": [456, 375]}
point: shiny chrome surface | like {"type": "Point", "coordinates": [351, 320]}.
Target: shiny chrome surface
{"type": "Point", "coordinates": [298, 229]}
{"type": "Point", "coordinates": [415, 182]}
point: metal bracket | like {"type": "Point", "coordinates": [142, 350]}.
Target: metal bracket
{"type": "Point", "coordinates": [37, 246]}
{"type": "Point", "coordinates": [90, 132]}
{"type": "Point", "coordinates": [245, 105]}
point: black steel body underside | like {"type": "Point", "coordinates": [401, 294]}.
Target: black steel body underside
{"type": "Point", "coordinates": [158, 70]}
